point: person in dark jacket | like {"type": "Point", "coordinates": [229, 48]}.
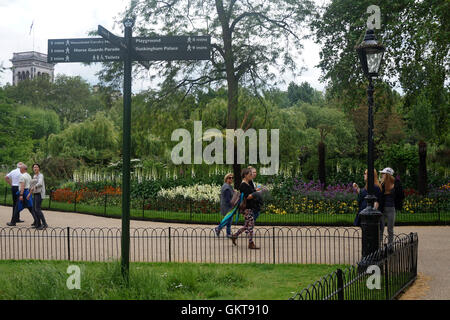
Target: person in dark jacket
{"type": "Point", "coordinates": [226, 194]}
{"type": "Point", "coordinates": [362, 193]}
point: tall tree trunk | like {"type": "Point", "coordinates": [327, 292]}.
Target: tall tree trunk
{"type": "Point", "coordinates": [322, 173]}
{"type": "Point", "coordinates": [422, 181]}
{"type": "Point", "coordinates": [232, 124]}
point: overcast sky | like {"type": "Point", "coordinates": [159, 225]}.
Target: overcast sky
{"type": "Point", "coordinates": [56, 19]}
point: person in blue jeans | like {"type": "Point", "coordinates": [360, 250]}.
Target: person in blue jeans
{"type": "Point", "coordinates": [226, 194]}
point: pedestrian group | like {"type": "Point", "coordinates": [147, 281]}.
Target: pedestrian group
{"type": "Point", "coordinates": [27, 192]}
{"type": "Point", "coordinates": [248, 202]}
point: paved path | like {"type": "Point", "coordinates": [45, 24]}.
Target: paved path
{"type": "Point", "coordinates": [434, 261]}
{"type": "Point", "coordinates": [434, 246]}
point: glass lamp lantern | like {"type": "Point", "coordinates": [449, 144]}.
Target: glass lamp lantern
{"type": "Point", "coordinates": [370, 53]}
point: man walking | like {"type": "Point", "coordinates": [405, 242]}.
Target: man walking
{"type": "Point", "coordinates": [12, 179]}
{"type": "Point", "coordinates": [23, 202]}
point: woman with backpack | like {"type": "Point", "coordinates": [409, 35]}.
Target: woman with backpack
{"type": "Point", "coordinates": [391, 199]}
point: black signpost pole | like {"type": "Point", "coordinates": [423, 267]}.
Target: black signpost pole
{"type": "Point", "coordinates": [126, 151]}
{"type": "Point", "coordinates": [114, 48]}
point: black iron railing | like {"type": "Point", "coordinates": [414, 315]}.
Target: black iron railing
{"type": "Point", "coordinates": [289, 245]}
{"type": "Point", "coordinates": [382, 275]}
{"type": "Point", "coordinates": [300, 212]}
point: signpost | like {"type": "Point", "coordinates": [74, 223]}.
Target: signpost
{"type": "Point", "coordinates": [127, 49]}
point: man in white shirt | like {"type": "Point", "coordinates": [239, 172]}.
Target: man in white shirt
{"type": "Point", "coordinates": [24, 190]}
{"type": "Point", "coordinates": [12, 179]}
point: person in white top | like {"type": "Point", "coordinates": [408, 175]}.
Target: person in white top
{"type": "Point", "coordinates": [12, 179]}
{"type": "Point", "coordinates": [24, 200]}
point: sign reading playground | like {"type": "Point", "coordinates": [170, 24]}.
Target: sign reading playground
{"type": "Point", "coordinates": [143, 49]}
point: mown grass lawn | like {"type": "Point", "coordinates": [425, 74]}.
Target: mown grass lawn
{"type": "Point", "coordinates": [46, 280]}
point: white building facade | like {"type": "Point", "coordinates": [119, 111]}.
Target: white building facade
{"type": "Point", "coordinates": [30, 65]}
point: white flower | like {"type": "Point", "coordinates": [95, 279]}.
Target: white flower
{"type": "Point", "coordinates": [196, 192]}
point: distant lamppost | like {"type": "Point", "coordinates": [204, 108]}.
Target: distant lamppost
{"type": "Point", "coordinates": [370, 53]}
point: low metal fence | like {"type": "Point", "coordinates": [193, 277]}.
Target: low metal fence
{"type": "Point", "coordinates": [382, 275]}
{"type": "Point", "coordinates": [307, 212]}
{"type": "Point", "coordinates": [278, 245]}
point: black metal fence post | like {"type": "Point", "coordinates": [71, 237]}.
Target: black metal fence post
{"type": "Point", "coordinates": [68, 243]}
{"type": "Point", "coordinates": [50, 199]}
{"type": "Point", "coordinates": [273, 241]}
{"type": "Point", "coordinates": [340, 284]}
{"type": "Point", "coordinates": [413, 255]}
{"type": "Point", "coordinates": [170, 245]}
{"type": "Point", "coordinates": [439, 209]}
{"type": "Point", "coordinates": [106, 200]}
{"type": "Point", "coordinates": [75, 202]}
{"type": "Point", "coordinates": [386, 270]}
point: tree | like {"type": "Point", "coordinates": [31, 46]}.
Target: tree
{"type": "Point", "coordinates": [72, 98]}
{"type": "Point", "coordinates": [415, 34]}
{"type": "Point", "coordinates": [247, 38]}
{"type": "Point", "coordinates": [33, 92]}
{"type": "Point", "coordinates": [36, 123]}
{"type": "Point", "coordinates": [303, 93]}
{"type": "Point", "coordinates": [15, 145]}
{"type": "Point", "coordinates": [94, 141]}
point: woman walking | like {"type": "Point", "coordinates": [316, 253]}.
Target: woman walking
{"type": "Point", "coordinates": [362, 193]}
{"type": "Point", "coordinates": [387, 201]}
{"type": "Point", "coordinates": [38, 191]}
{"type": "Point", "coordinates": [247, 206]}
{"type": "Point", "coordinates": [226, 194]}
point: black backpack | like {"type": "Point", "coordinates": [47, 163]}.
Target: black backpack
{"type": "Point", "coordinates": [399, 195]}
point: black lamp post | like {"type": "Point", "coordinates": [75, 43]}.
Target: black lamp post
{"type": "Point", "coordinates": [370, 54]}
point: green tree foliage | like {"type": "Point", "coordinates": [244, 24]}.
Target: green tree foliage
{"type": "Point", "coordinates": [15, 146]}
{"type": "Point", "coordinates": [22, 130]}
{"type": "Point", "coordinates": [401, 157]}
{"type": "Point", "coordinates": [303, 93]}
{"type": "Point", "coordinates": [37, 123]}
{"type": "Point", "coordinates": [247, 38]}
{"type": "Point", "coordinates": [415, 34]}
{"type": "Point", "coordinates": [72, 98]}
{"type": "Point", "coordinates": [94, 141]}
{"type": "Point", "coordinates": [36, 92]}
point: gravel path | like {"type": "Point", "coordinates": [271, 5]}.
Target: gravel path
{"type": "Point", "coordinates": [434, 246]}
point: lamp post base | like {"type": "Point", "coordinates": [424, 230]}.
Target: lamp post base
{"type": "Point", "coordinates": [371, 233]}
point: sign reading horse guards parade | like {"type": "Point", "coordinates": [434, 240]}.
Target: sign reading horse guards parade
{"type": "Point", "coordinates": [83, 50]}
{"type": "Point", "coordinates": [144, 49]}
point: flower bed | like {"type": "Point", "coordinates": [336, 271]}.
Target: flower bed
{"type": "Point", "coordinates": [301, 198]}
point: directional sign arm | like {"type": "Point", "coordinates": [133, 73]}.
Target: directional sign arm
{"type": "Point", "coordinates": [120, 42]}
